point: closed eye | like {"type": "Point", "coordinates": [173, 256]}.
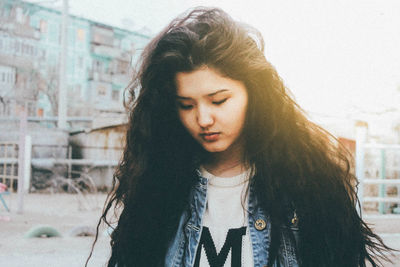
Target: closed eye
{"type": "Point", "coordinates": [220, 102]}
{"type": "Point", "coordinates": [185, 107]}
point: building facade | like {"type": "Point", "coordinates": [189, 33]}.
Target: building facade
{"type": "Point", "coordinates": [99, 62]}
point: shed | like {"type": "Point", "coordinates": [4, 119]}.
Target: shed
{"type": "Point", "coordinates": [101, 148]}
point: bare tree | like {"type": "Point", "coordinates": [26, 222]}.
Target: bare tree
{"type": "Point", "coordinates": [48, 85]}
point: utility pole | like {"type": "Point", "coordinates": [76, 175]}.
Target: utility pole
{"type": "Point", "coordinates": [62, 93]}
{"type": "Point", "coordinates": [21, 160]}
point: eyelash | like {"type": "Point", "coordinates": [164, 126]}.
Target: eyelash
{"type": "Point", "coordinates": [220, 102]}
{"type": "Point", "coordinates": [187, 107]}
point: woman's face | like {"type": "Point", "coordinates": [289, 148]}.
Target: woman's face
{"type": "Point", "coordinates": [212, 108]}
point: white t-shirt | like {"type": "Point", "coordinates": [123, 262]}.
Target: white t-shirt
{"type": "Point", "coordinates": [225, 213]}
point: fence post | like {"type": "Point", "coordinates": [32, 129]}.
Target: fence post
{"type": "Point", "coordinates": [69, 165]}
{"type": "Point", "coordinates": [361, 136]}
{"type": "Point", "coordinates": [382, 187]}
{"type": "Point", "coordinates": [28, 163]}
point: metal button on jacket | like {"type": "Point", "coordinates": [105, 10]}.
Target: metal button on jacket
{"type": "Point", "coordinates": [260, 224]}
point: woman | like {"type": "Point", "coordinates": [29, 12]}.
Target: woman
{"type": "Point", "coordinates": [221, 166]}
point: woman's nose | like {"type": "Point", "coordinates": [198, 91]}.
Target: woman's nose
{"type": "Point", "coordinates": [205, 117]}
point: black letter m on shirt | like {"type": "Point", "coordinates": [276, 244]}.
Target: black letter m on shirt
{"type": "Point", "coordinates": [233, 240]}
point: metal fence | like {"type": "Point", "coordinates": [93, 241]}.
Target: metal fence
{"type": "Point", "coordinates": [379, 165]}
{"type": "Point", "coordinates": [9, 164]}
{"type": "Point", "coordinates": [59, 161]}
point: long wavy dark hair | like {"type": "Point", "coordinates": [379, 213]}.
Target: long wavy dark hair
{"type": "Point", "coordinates": [298, 165]}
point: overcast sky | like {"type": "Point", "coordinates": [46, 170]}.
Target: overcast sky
{"type": "Point", "coordinates": [336, 56]}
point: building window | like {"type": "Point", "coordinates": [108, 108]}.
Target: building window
{"type": "Point", "coordinates": [117, 43]}
{"type": "Point", "coordinates": [19, 13]}
{"type": "Point", "coordinates": [43, 56]}
{"type": "Point", "coordinates": [115, 95]}
{"type": "Point", "coordinates": [80, 34]}
{"type": "Point", "coordinates": [78, 90]}
{"type": "Point", "coordinates": [97, 65]}
{"type": "Point", "coordinates": [80, 62]}
{"type": "Point", "coordinates": [17, 46]}
{"type": "Point", "coordinates": [43, 26]}
{"type": "Point", "coordinates": [40, 112]}
{"type": "Point", "coordinates": [101, 90]}
{"type": "Point", "coordinates": [122, 66]}
{"type": "Point", "coordinates": [31, 109]}
{"type": "Point", "coordinates": [102, 36]}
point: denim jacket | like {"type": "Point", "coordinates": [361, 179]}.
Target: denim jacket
{"type": "Point", "coordinates": [182, 249]}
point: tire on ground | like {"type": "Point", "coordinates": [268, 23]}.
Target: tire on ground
{"type": "Point", "coordinates": [42, 231]}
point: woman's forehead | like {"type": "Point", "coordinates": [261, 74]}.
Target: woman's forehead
{"type": "Point", "coordinates": [204, 82]}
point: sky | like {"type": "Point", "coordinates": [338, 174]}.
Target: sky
{"type": "Point", "coordinates": [337, 57]}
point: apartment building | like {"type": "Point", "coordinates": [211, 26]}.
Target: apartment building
{"type": "Point", "coordinates": [99, 62]}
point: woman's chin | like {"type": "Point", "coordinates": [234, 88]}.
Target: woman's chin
{"type": "Point", "coordinates": [214, 147]}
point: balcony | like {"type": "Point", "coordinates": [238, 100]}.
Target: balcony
{"type": "Point", "coordinates": [102, 36]}
{"type": "Point", "coordinates": [121, 79]}
{"type": "Point", "coordinates": [100, 76]}
{"type": "Point", "coordinates": [21, 30]}
{"type": "Point", "coordinates": [106, 51]}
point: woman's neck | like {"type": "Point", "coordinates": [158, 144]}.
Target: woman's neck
{"type": "Point", "coordinates": [227, 163]}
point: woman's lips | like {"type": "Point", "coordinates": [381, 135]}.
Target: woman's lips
{"type": "Point", "coordinates": [210, 137]}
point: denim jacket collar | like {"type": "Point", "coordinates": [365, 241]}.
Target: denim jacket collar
{"type": "Point", "coordinates": [183, 247]}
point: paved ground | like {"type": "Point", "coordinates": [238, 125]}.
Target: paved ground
{"type": "Point", "coordinates": [65, 212]}
{"type": "Point", "coordinates": [388, 229]}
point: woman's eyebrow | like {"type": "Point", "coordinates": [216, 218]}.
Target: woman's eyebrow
{"type": "Point", "coordinates": [183, 97]}
{"type": "Point", "coordinates": [217, 92]}
{"type": "Point", "coordinates": [211, 94]}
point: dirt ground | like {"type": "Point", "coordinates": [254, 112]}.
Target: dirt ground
{"type": "Point", "coordinates": [66, 212]}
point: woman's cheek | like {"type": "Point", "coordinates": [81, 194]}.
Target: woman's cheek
{"type": "Point", "coordinates": [187, 122]}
